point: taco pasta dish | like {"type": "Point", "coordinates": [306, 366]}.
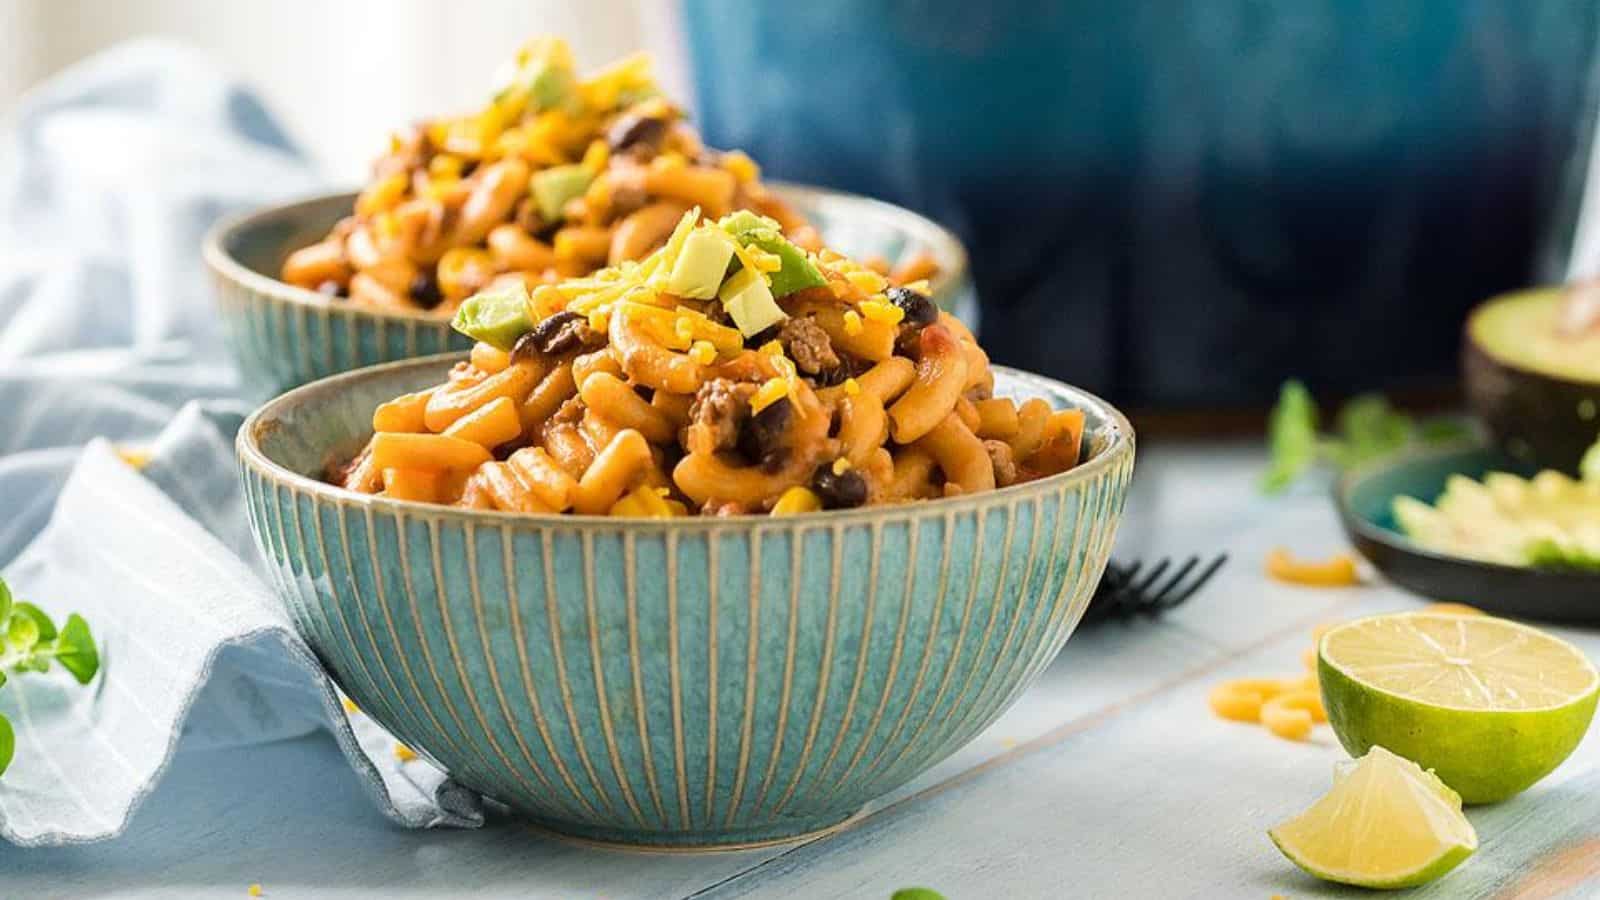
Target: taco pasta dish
{"type": "Point", "coordinates": [729, 372]}
{"type": "Point", "coordinates": [556, 177]}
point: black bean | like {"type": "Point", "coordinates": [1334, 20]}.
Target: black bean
{"type": "Point", "coordinates": [631, 128]}
{"type": "Point", "coordinates": [644, 392]}
{"type": "Point", "coordinates": [526, 347]}
{"type": "Point", "coordinates": [425, 290]}
{"type": "Point", "coordinates": [566, 330]}
{"type": "Point", "coordinates": [761, 435]}
{"type": "Point", "coordinates": [842, 491]}
{"type": "Point", "coordinates": [769, 333]}
{"type": "Point", "coordinates": [919, 309]}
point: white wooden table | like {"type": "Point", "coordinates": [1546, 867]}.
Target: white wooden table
{"type": "Point", "coordinates": [1110, 778]}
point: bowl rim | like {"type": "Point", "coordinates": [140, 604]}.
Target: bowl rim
{"type": "Point", "coordinates": [1361, 526]}
{"type": "Point", "coordinates": [251, 456]}
{"type": "Point", "coordinates": [213, 249]}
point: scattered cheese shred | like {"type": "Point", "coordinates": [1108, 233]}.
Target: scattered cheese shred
{"type": "Point", "coordinates": [771, 392]}
{"type": "Point", "coordinates": [349, 705]}
{"type": "Point", "coordinates": [254, 890]}
{"type": "Point", "coordinates": [404, 753]}
{"type": "Point", "coordinates": [879, 310]}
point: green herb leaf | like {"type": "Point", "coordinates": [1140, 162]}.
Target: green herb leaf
{"type": "Point", "coordinates": [1369, 427]}
{"type": "Point", "coordinates": [1444, 430]}
{"type": "Point", "coordinates": [1291, 437]}
{"type": "Point", "coordinates": [41, 620]}
{"type": "Point", "coordinates": [8, 743]}
{"type": "Point", "coordinates": [916, 893]}
{"type": "Point", "coordinates": [75, 649]}
{"type": "Point", "coordinates": [29, 641]}
{"type": "Point", "coordinates": [22, 633]}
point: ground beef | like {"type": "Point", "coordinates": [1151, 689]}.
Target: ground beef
{"type": "Point", "coordinates": [720, 408]}
{"type": "Point", "coordinates": [808, 345]}
{"type": "Point", "coordinates": [722, 508]}
{"type": "Point", "coordinates": [1005, 467]}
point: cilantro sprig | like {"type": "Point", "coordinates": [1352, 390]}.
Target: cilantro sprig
{"type": "Point", "coordinates": [30, 642]}
{"type": "Point", "coordinates": [1367, 427]}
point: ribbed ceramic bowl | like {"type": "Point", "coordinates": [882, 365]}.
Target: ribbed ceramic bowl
{"type": "Point", "coordinates": [284, 336]}
{"type": "Point", "coordinates": [697, 682]}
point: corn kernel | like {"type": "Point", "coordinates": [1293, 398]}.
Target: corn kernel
{"type": "Point", "coordinates": [684, 329]}
{"type": "Point", "coordinates": [596, 157]}
{"type": "Point", "coordinates": [703, 353]}
{"type": "Point", "coordinates": [253, 890]}
{"type": "Point", "coordinates": [772, 348]}
{"type": "Point", "coordinates": [796, 500]}
{"type": "Point", "coordinates": [643, 502]}
{"type": "Point", "coordinates": [879, 310]}
{"type": "Point", "coordinates": [774, 390]}
{"type": "Point", "coordinates": [867, 280]}
{"type": "Point", "coordinates": [741, 165]}
{"type": "Point", "coordinates": [852, 387]}
{"type": "Point", "coordinates": [852, 322]}
{"type": "Point", "coordinates": [445, 166]}
{"type": "Point", "coordinates": [841, 466]}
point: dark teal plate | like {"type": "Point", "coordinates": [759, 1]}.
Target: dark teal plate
{"type": "Point", "coordinates": [1365, 495]}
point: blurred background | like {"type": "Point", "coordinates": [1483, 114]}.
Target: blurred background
{"type": "Point", "coordinates": [1177, 205]}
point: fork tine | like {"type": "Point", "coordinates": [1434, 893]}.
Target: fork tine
{"type": "Point", "coordinates": [1143, 587]}
{"type": "Point", "coordinates": [1200, 580]}
{"type": "Point", "coordinates": [1159, 599]}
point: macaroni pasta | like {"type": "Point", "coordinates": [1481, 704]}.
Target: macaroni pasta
{"type": "Point", "coordinates": [706, 379]}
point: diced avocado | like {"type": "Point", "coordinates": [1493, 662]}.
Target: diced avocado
{"type": "Point", "coordinates": [546, 76]}
{"type": "Point", "coordinates": [749, 302]}
{"type": "Point", "coordinates": [798, 271]}
{"type": "Point", "coordinates": [553, 187]}
{"type": "Point", "coordinates": [1543, 522]}
{"type": "Point", "coordinates": [702, 261]}
{"type": "Point", "coordinates": [497, 318]}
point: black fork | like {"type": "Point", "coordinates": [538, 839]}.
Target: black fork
{"type": "Point", "coordinates": [1132, 590]}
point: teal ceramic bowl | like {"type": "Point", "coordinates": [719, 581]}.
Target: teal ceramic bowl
{"type": "Point", "coordinates": [284, 336]}
{"type": "Point", "coordinates": [1365, 496]}
{"type": "Point", "coordinates": [694, 683]}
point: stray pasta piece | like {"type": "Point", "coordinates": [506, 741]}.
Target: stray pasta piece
{"type": "Point", "coordinates": [717, 375]}
{"type": "Point", "coordinates": [1339, 571]}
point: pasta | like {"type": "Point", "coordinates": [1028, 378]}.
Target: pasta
{"type": "Point", "coordinates": [705, 378]}
{"type": "Point", "coordinates": [556, 177]}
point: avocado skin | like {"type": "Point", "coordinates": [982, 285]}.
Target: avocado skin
{"type": "Point", "coordinates": [1534, 418]}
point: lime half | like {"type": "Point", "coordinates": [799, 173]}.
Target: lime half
{"type": "Point", "coordinates": [1491, 706]}
{"type": "Point", "coordinates": [1385, 824]}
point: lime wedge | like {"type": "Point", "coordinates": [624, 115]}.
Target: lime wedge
{"type": "Point", "coordinates": [1385, 824]}
{"type": "Point", "coordinates": [1491, 706]}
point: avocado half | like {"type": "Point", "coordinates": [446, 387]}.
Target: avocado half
{"type": "Point", "coordinates": [1536, 390]}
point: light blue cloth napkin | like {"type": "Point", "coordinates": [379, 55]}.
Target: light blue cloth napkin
{"type": "Point", "coordinates": [109, 175]}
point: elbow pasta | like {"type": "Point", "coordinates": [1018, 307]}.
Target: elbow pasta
{"type": "Point", "coordinates": [555, 177]}
{"type": "Point", "coordinates": [617, 397]}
